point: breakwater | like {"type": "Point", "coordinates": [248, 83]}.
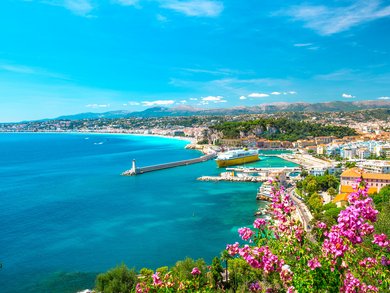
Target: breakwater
{"type": "Point", "coordinates": [233, 178]}
{"type": "Point", "coordinates": [140, 170]}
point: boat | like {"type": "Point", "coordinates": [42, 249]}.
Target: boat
{"type": "Point", "coordinates": [237, 157]}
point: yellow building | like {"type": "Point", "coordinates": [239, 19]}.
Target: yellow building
{"type": "Point", "coordinates": [342, 198]}
{"type": "Point", "coordinates": [374, 180]}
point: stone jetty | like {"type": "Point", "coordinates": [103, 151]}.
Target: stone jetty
{"type": "Point", "coordinates": [140, 170]}
{"type": "Point", "coordinates": [232, 178]}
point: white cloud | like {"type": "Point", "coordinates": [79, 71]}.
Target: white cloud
{"type": "Point", "coordinates": [97, 106]}
{"type": "Point", "coordinates": [193, 99]}
{"type": "Point", "coordinates": [243, 98]}
{"type": "Point", "coordinates": [214, 99]}
{"type": "Point", "coordinates": [78, 7]}
{"type": "Point", "coordinates": [276, 93]}
{"type": "Point", "coordinates": [331, 20]}
{"type": "Point", "coordinates": [384, 98]}
{"type": "Point", "coordinates": [348, 96]}
{"type": "Point", "coordinates": [183, 101]}
{"type": "Point", "coordinates": [18, 69]}
{"type": "Point", "coordinates": [127, 2]}
{"type": "Point", "coordinates": [303, 45]}
{"type": "Point", "coordinates": [21, 69]}
{"type": "Point", "coordinates": [161, 18]}
{"type": "Point", "coordinates": [292, 92]}
{"type": "Point", "coordinates": [134, 103]}
{"type": "Point", "coordinates": [158, 103]}
{"type": "Point", "coordinates": [202, 8]}
{"type": "Point", "coordinates": [258, 95]}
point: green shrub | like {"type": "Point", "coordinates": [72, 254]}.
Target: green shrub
{"type": "Point", "coordinates": [120, 279]}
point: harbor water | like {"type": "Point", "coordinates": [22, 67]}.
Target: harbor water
{"type": "Point", "coordinates": [67, 214]}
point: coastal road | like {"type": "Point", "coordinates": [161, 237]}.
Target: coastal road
{"type": "Point", "coordinates": [302, 209]}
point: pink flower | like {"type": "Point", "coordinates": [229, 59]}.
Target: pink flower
{"type": "Point", "coordinates": [195, 271]}
{"type": "Point", "coordinates": [291, 289]}
{"type": "Point", "coordinates": [233, 248]}
{"type": "Point", "coordinates": [321, 225]}
{"type": "Point", "coordinates": [245, 233]}
{"type": "Point", "coordinates": [141, 288]}
{"type": "Point", "coordinates": [156, 279]}
{"type": "Point", "coordinates": [368, 262]}
{"type": "Point", "coordinates": [381, 240]}
{"type": "Point", "coordinates": [259, 223]}
{"type": "Point", "coordinates": [353, 284]}
{"type": "Point", "coordinates": [255, 287]}
{"type": "Point", "coordinates": [313, 263]}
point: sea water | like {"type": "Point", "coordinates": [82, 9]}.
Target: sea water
{"type": "Point", "coordinates": [67, 214]}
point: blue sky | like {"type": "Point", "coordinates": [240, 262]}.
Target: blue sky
{"type": "Point", "coordinates": [70, 56]}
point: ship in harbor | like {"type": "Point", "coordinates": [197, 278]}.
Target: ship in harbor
{"type": "Point", "coordinates": [237, 157]}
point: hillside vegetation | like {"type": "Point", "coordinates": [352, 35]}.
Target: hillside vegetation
{"type": "Point", "coordinates": [280, 129]}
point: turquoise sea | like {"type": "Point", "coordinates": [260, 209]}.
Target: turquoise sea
{"type": "Point", "coordinates": [67, 214]}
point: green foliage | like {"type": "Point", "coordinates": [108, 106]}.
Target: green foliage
{"type": "Point", "coordinates": [146, 272]}
{"type": "Point", "coordinates": [350, 164]}
{"type": "Point", "coordinates": [119, 279]}
{"type": "Point", "coordinates": [382, 197]}
{"type": "Point", "coordinates": [281, 129]}
{"type": "Point", "coordinates": [216, 272]}
{"type": "Point", "coordinates": [163, 270]}
{"type": "Point", "coordinates": [182, 269]}
{"type": "Point", "coordinates": [241, 275]}
{"type": "Point", "coordinates": [315, 202]}
{"type": "Point", "coordinates": [311, 184]}
{"type": "Point", "coordinates": [304, 173]}
{"type": "Point", "coordinates": [332, 213]}
{"type": "Point", "coordinates": [332, 191]}
{"type": "Point", "coordinates": [383, 223]}
{"type": "Point", "coordinates": [329, 205]}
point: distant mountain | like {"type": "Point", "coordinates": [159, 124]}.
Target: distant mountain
{"type": "Point", "coordinates": [336, 106]}
{"type": "Point", "coordinates": [91, 115]}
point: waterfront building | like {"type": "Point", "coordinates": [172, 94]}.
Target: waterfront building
{"type": "Point", "coordinates": [333, 150]}
{"type": "Point", "coordinates": [375, 166]}
{"type": "Point", "coordinates": [348, 153]}
{"type": "Point", "coordinates": [321, 149]}
{"type": "Point", "coordinates": [363, 153]}
{"type": "Point", "coordinates": [342, 198]}
{"type": "Point", "coordinates": [385, 151]}
{"type": "Point", "coordinates": [272, 144]}
{"type": "Point", "coordinates": [302, 143]}
{"type": "Point", "coordinates": [323, 139]}
{"type": "Point", "coordinates": [375, 180]}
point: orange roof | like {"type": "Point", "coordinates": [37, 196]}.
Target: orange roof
{"type": "Point", "coordinates": [340, 197]}
{"type": "Point", "coordinates": [349, 189]}
{"type": "Point", "coordinates": [356, 173]}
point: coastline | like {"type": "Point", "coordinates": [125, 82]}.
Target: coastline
{"type": "Point", "coordinates": [192, 142]}
{"type": "Point", "coordinates": [185, 138]}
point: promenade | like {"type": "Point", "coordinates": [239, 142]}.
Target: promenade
{"type": "Point", "coordinates": [306, 161]}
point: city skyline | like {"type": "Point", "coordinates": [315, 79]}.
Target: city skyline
{"type": "Point", "coordinates": [74, 56]}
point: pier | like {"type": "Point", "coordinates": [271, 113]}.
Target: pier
{"type": "Point", "coordinates": [264, 169]}
{"type": "Point", "coordinates": [136, 171]}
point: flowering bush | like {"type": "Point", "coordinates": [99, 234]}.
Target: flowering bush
{"type": "Point", "coordinates": [280, 256]}
{"type": "Point", "coordinates": [347, 257]}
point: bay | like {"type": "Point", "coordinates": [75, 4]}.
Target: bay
{"type": "Point", "coordinates": [67, 214]}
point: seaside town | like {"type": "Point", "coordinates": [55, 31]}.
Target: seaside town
{"type": "Point", "coordinates": [365, 154]}
{"type": "Point", "coordinates": [195, 146]}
